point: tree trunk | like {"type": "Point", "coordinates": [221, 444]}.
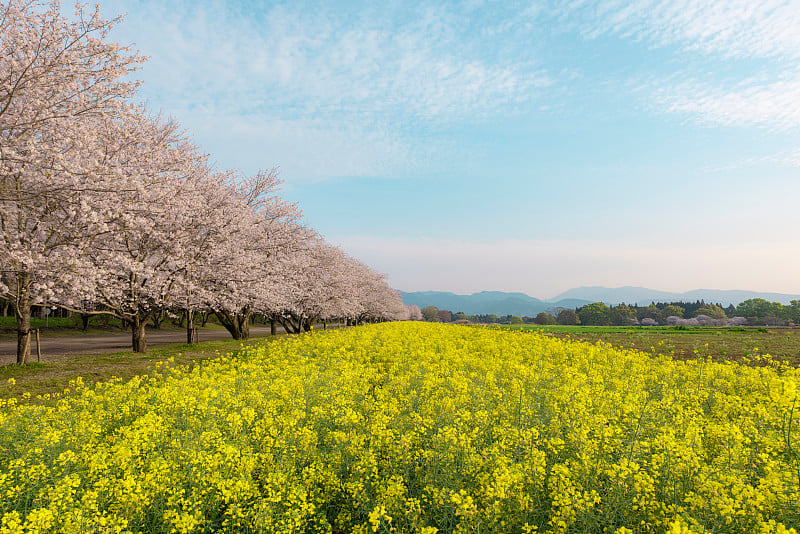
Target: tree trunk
{"type": "Point", "coordinates": [138, 338]}
{"type": "Point", "coordinates": [22, 311]}
{"type": "Point", "coordinates": [204, 316]}
{"type": "Point", "coordinates": [290, 327]}
{"type": "Point", "coordinates": [5, 309]}
{"type": "Point", "coordinates": [287, 325]}
{"type": "Point", "coordinates": [191, 331]}
{"type": "Point", "coordinates": [238, 324]}
{"type": "Point", "coordinates": [85, 321]}
{"type": "Point", "coordinates": [244, 320]}
{"type": "Point", "coordinates": [158, 318]}
{"type": "Point", "coordinates": [23, 332]}
{"type": "Point", "coordinates": [272, 326]}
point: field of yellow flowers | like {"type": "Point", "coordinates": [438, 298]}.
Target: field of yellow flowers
{"type": "Point", "coordinates": [412, 427]}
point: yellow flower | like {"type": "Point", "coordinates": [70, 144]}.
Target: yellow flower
{"type": "Point", "coordinates": [403, 426]}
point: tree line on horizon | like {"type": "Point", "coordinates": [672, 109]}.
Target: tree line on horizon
{"type": "Point", "coordinates": [754, 312]}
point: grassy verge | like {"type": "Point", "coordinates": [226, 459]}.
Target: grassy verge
{"type": "Point", "coordinates": [71, 326]}
{"type": "Point", "coordinates": [41, 381]}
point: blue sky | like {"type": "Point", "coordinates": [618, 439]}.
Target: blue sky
{"type": "Point", "coordinates": [519, 146]}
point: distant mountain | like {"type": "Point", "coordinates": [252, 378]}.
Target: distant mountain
{"type": "Point", "coordinates": [570, 303]}
{"type": "Point", "coordinates": [617, 295]}
{"type": "Point", "coordinates": [501, 303]}
{"type": "Point", "coordinates": [486, 302]}
{"type": "Point", "coordinates": [643, 296]}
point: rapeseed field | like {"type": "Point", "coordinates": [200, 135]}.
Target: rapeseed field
{"type": "Point", "coordinates": [411, 427]}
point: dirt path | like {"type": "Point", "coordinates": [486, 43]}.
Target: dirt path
{"type": "Point", "coordinates": [56, 347]}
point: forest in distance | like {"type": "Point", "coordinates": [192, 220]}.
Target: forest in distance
{"type": "Point", "coordinates": [751, 312]}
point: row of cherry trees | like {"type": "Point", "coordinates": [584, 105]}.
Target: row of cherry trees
{"type": "Point", "coordinates": [105, 208]}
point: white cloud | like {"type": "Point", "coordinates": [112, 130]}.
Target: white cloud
{"type": "Point", "coordinates": [784, 158]}
{"type": "Point", "coordinates": [732, 28]}
{"type": "Point", "coordinates": [372, 80]}
{"type": "Point", "coordinates": [764, 36]}
{"type": "Point", "coordinates": [369, 89]}
{"type": "Point", "coordinates": [753, 102]}
{"type": "Point", "coordinates": [545, 268]}
{"type": "Point", "coordinates": [305, 150]}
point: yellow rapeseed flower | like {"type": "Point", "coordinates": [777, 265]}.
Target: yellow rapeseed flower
{"type": "Point", "coordinates": [411, 427]}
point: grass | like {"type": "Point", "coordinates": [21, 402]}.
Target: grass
{"type": "Point", "coordinates": [102, 322]}
{"type": "Point", "coordinates": [735, 344]}
{"type": "Point", "coordinates": [35, 380]}
{"type": "Point", "coordinates": [71, 326]}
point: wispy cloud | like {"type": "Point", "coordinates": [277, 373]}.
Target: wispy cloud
{"type": "Point", "coordinates": [305, 150]}
{"type": "Point", "coordinates": [787, 158]}
{"type": "Point", "coordinates": [752, 102]}
{"type": "Point", "coordinates": [350, 89]}
{"type": "Point", "coordinates": [783, 158]}
{"type": "Point", "coordinates": [732, 28]}
{"type": "Point", "coordinates": [736, 60]}
{"type": "Point", "coordinates": [366, 78]}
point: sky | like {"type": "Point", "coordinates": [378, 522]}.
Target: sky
{"type": "Point", "coordinates": [511, 146]}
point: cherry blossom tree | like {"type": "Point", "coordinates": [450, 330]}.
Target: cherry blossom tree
{"type": "Point", "coordinates": [327, 284]}
{"type": "Point", "coordinates": [318, 287]}
{"type": "Point", "coordinates": [248, 266]}
{"type": "Point", "coordinates": [413, 313]}
{"type": "Point", "coordinates": [58, 78]}
{"type": "Point", "coordinates": [376, 300]}
{"type": "Point", "coordinates": [164, 212]}
{"type": "Point", "coordinates": [106, 209]}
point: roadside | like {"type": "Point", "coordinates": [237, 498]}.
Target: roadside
{"type": "Point", "coordinates": [55, 348]}
{"type": "Point", "coordinates": [71, 326]}
{"type": "Point", "coordinates": [42, 382]}
{"type": "Point", "coordinates": [97, 358]}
